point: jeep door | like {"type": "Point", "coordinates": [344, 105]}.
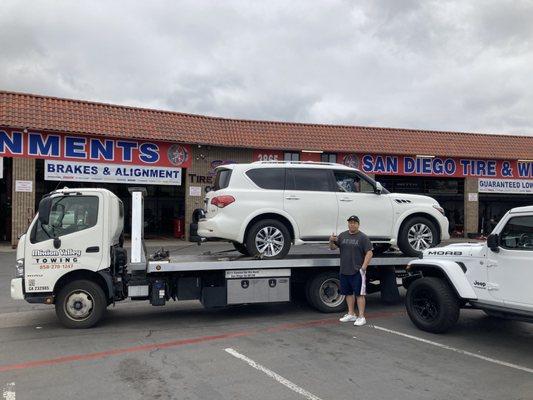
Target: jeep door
{"type": "Point", "coordinates": [310, 199]}
{"type": "Point", "coordinates": [357, 196]}
{"type": "Point", "coordinates": [511, 270]}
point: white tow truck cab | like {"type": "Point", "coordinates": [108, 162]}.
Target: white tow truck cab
{"type": "Point", "coordinates": [495, 276]}
{"type": "Point", "coordinates": [72, 256]}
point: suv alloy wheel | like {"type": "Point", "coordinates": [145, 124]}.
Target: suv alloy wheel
{"type": "Point", "coordinates": [417, 235]}
{"type": "Point", "coordinates": [269, 239]}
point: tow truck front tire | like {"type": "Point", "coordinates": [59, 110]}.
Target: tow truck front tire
{"type": "Point", "coordinates": [80, 304]}
{"type": "Point", "coordinates": [432, 304]}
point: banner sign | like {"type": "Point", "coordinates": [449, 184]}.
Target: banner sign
{"type": "Point", "coordinates": [94, 149]}
{"type": "Point", "coordinates": [438, 166]}
{"type": "Point", "coordinates": [518, 186]}
{"type": "Point", "coordinates": [111, 173]}
{"type": "Point", "coordinates": [421, 166]}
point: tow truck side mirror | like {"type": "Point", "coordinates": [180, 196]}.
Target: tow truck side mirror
{"type": "Point", "coordinates": [45, 206]}
{"type": "Point", "coordinates": [493, 242]}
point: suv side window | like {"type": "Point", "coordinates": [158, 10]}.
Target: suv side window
{"type": "Point", "coordinates": [518, 234]}
{"type": "Point", "coordinates": [310, 179]}
{"type": "Point", "coordinates": [222, 179]}
{"type": "Point", "coordinates": [351, 182]}
{"type": "Point", "coordinates": [68, 214]}
{"type": "Point", "coordinates": [268, 178]}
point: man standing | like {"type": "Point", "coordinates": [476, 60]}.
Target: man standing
{"type": "Point", "coordinates": [356, 253]}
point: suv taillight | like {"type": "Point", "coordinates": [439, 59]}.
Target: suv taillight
{"type": "Point", "coordinates": [222, 201]}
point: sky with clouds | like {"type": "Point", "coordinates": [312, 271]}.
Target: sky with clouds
{"type": "Point", "coordinates": [442, 65]}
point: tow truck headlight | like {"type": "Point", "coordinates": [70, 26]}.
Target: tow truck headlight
{"type": "Point", "coordinates": [439, 209]}
{"type": "Point", "coordinates": [20, 267]}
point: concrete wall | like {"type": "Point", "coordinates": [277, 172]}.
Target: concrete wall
{"type": "Point", "coordinates": [23, 208]}
{"type": "Point", "coordinates": [201, 173]}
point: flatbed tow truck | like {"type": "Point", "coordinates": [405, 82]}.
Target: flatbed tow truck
{"type": "Point", "coordinates": [72, 256]}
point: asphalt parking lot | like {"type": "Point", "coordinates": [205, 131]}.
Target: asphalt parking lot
{"type": "Point", "coordinates": [276, 351]}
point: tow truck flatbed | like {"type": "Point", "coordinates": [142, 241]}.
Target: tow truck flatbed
{"type": "Point", "coordinates": [220, 261]}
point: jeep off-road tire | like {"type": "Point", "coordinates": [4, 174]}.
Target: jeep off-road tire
{"type": "Point", "coordinates": [323, 293]}
{"type": "Point", "coordinates": [269, 239]}
{"type": "Point", "coordinates": [417, 231]}
{"type": "Point", "coordinates": [241, 248]}
{"type": "Point", "coordinates": [432, 304]}
{"type": "Point", "coordinates": [80, 304]}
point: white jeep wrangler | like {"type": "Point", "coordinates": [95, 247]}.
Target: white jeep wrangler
{"type": "Point", "coordinates": [263, 207]}
{"type": "Point", "coordinates": [496, 276]}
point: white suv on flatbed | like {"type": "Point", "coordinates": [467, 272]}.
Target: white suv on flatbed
{"type": "Point", "coordinates": [263, 207]}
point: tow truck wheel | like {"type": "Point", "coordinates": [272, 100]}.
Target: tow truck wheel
{"type": "Point", "coordinates": [241, 248]}
{"type": "Point", "coordinates": [80, 304]}
{"type": "Point", "coordinates": [323, 293]}
{"type": "Point", "coordinates": [432, 305]}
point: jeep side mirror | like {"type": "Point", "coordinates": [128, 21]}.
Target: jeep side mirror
{"type": "Point", "coordinates": [44, 210]}
{"type": "Point", "coordinates": [379, 188]}
{"type": "Point", "coordinates": [493, 242]}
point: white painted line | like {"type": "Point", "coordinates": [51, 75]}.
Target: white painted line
{"type": "Point", "coordinates": [8, 391]}
{"type": "Point", "coordinates": [443, 346]}
{"type": "Point", "coordinates": [273, 375]}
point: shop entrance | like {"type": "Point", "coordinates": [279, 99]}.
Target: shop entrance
{"type": "Point", "coordinates": [493, 206]}
{"type": "Point", "coordinates": [164, 205]}
{"type": "Point", "coordinates": [448, 192]}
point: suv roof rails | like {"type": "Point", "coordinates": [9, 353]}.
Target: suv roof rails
{"type": "Point", "coordinates": [295, 162]}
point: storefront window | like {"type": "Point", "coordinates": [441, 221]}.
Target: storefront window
{"type": "Point", "coordinates": [448, 192]}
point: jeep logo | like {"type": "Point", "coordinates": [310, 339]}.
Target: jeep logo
{"type": "Point", "coordinates": [444, 253]}
{"type": "Point", "coordinates": [480, 284]}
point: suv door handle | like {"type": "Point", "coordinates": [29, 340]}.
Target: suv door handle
{"type": "Point", "coordinates": [94, 249]}
{"type": "Point", "coordinates": [345, 199]}
{"type": "Point", "coordinates": [292, 198]}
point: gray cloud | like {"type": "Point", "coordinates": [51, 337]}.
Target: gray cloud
{"type": "Point", "coordinates": [444, 65]}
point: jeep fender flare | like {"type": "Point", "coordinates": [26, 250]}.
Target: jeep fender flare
{"type": "Point", "coordinates": [262, 211]}
{"type": "Point", "coordinates": [450, 270]}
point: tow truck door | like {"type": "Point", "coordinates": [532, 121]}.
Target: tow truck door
{"type": "Point", "coordinates": [77, 221]}
{"type": "Point", "coordinates": [510, 270]}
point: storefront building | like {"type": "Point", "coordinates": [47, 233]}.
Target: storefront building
{"type": "Point", "coordinates": [48, 143]}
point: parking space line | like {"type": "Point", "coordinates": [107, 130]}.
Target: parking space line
{"type": "Point", "coordinates": [273, 375]}
{"type": "Point", "coordinates": [454, 349]}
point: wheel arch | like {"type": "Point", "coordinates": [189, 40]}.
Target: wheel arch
{"type": "Point", "coordinates": [102, 278]}
{"type": "Point", "coordinates": [405, 219]}
{"type": "Point", "coordinates": [285, 220]}
{"type": "Point", "coordinates": [448, 270]}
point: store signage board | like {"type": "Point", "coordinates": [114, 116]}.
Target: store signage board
{"type": "Point", "coordinates": [445, 167]}
{"type": "Point", "coordinates": [111, 173]}
{"type": "Point", "coordinates": [512, 186]}
{"type": "Point", "coordinates": [473, 197]}
{"type": "Point", "coordinates": [55, 146]}
{"type": "Point", "coordinates": [23, 186]}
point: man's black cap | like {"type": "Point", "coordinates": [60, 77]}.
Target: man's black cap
{"type": "Point", "coordinates": [354, 218]}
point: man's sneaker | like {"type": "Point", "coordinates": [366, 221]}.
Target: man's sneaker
{"type": "Point", "coordinates": [360, 321]}
{"type": "Point", "coordinates": [348, 318]}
